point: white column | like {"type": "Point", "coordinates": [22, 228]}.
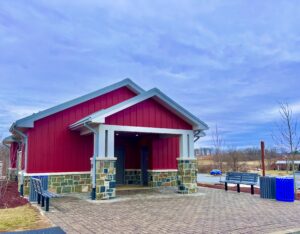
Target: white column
{"type": "Point", "coordinates": [191, 146]}
{"type": "Point", "coordinates": [101, 142]}
{"type": "Point", "coordinates": [106, 146]}
{"type": "Point", "coordinates": [110, 144]}
{"type": "Point", "coordinates": [183, 146]}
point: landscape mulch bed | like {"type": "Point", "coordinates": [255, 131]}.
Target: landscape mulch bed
{"type": "Point", "coordinates": [10, 196]}
{"type": "Point", "coordinates": [234, 188]}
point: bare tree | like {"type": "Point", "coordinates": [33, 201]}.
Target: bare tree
{"type": "Point", "coordinates": [233, 158]}
{"type": "Point", "coordinates": [218, 144]}
{"type": "Point", "coordinates": [270, 156]}
{"type": "Point", "coordinates": [287, 137]}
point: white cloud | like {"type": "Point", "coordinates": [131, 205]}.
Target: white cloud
{"type": "Point", "coordinates": [225, 61]}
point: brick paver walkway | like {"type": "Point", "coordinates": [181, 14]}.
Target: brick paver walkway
{"type": "Point", "coordinates": [209, 211]}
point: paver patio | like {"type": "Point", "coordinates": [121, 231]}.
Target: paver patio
{"type": "Point", "coordinates": [208, 211]}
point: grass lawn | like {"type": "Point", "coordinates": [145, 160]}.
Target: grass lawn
{"type": "Point", "coordinates": [22, 218]}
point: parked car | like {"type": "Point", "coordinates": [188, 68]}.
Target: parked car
{"type": "Point", "coordinates": [216, 172]}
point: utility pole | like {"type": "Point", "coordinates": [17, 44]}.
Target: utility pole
{"type": "Point", "coordinates": [262, 148]}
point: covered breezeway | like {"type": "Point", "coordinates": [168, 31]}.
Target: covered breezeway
{"type": "Point", "coordinates": [139, 155]}
{"type": "Point", "coordinates": [148, 115]}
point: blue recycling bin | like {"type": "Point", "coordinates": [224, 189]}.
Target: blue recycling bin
{"type": "Point", "coordinates": [285, 189]}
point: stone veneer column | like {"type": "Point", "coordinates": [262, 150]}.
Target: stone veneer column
{"type": "Point", "coordinates": [105, 178]}
{"type": "Point", "coordinates": [187, 176]}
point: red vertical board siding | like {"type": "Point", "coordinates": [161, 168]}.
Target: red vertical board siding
{"type": "Point", "coordinates": [13, 154]}
{"type": "Point", "coordinates": [52, 147]}
{"type": "Point", "coordinates": [148, 113]}
{"type": "Point", "coordinates": [23, 157]}
{"type": "Point", "coordinates": [165, 152]}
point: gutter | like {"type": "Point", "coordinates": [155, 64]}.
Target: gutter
{"type": "Point", "coordinates": [6, 145]}
{"type": "Point", "coordinates": [25, 137]}
{"type": "Point", "coordinates": [96, 137]}
{"type": "Point", "coordinates": [21, 173]}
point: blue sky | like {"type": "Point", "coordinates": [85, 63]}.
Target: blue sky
{"type": "Point", "coordinates": [228, 62]}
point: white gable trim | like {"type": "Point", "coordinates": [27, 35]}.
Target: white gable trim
{"type": "Point", "coordinates": [99, 117]}
{"type": "Point", "coordinates": [28, 122]}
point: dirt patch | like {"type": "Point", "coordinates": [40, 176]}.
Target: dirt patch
{"type": "Point", "coordinates": [10, 196]}
{"type": "Point", "coordinates": [24, 217]}
{"type": "Point", "coordinates": [234, 188]}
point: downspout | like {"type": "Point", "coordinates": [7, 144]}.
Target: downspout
{"type": "Point", "coordinates": [96, 135]}
{"type": "Point", "coordinates": [9, 163]}
{"type": "Point", "coordinates": [26, 148]}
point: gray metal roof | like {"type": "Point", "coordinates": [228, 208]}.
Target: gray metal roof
{"type": "Point", "coordinates": [284, 162]}
{"type": "Point", "coordinates": [10, 139]}
{"type": "Point", "coordinates": [28, 122]}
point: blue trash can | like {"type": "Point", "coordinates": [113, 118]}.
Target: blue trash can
{"type": "Point", "coordinates": [285, 189]}
{"type": "Point", "coordinates": [267, 187]}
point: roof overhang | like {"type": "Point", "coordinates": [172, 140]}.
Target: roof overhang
{"type": "Point", "coordinates": [99, 116]}
{"type": "Point", "coordinates": [9, 140]}
{"type": "Point", "coordinates": [28, 122]}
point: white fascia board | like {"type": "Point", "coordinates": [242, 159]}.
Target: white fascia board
{"type": "Point", "coordinates": [196, 122]}
{"type": "Point", "coordinates": [99, 117]}
{"type": "Point", "coordinates": [121, 128]}
{"type": "Point", "coordinates": [28, 122]}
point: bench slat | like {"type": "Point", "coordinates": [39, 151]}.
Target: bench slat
{"type": "Point", "coordinates": [241, 178]}
{"type": "Point", "coordinates": [37, 184]}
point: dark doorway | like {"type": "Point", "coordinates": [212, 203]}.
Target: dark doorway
{"type": "Point", "coordinates": [120, 165]}
{"type": "Point", "coordinates": [144, 165]}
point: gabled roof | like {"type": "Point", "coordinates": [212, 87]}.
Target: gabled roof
{"type": "Point", "coordinates": [10, 139]}
{"type": "Point", "coordinates": [28, 122]}
{"type": "Point", "coordinates": [99, 116]}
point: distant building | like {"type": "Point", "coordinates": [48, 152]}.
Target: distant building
{"type": "Point", "coordinates": [284, 164]}
{"type": "Point", "coordinates": [203, 151]}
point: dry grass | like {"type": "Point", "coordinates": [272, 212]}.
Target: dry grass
{"type": "Point", "coordinates": [22, 218]}
{"type": "Point", "coordinates": [252, 165]}
{"type": "Point", "coordinates": [205, 162]}
{"type": "Point", "coordinates": [278, 173]}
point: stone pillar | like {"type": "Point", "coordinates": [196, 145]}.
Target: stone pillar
{"type": "Point", "coordinates": [105, 178]}
{"type": "Point", "coordinates": [187, 175]}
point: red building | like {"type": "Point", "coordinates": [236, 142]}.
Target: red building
{"type": "Point", "coordinates": [120, 134]}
